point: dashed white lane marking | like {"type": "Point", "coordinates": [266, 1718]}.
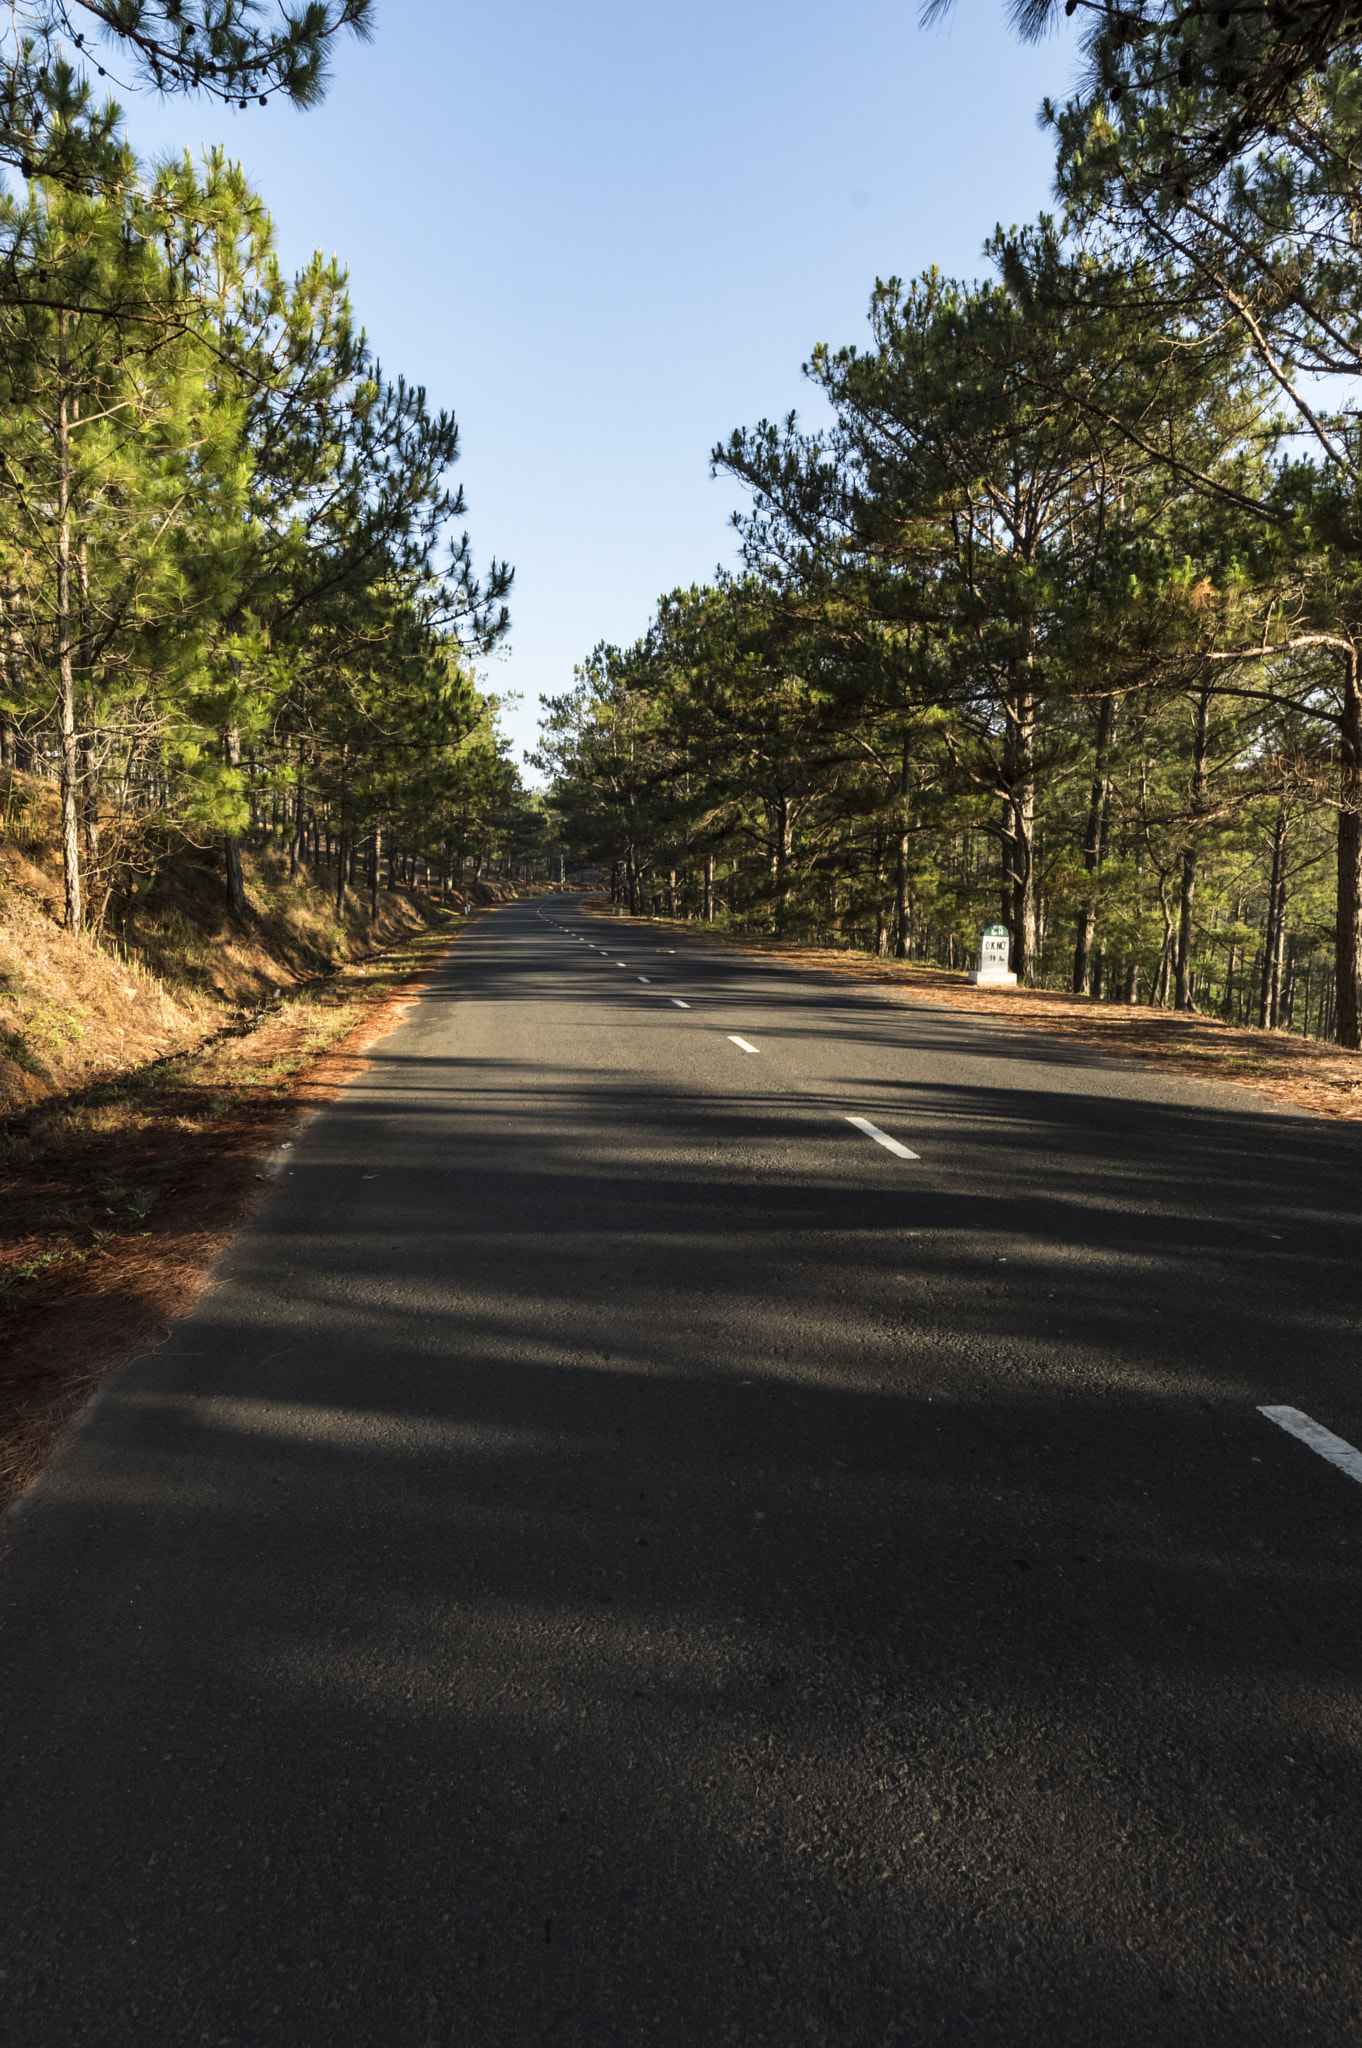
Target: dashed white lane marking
{"type": "Point", "coordinates": [644, 978]}
{"type": "Point", "coordinates": [1335, 1448]}
{"type": "Point", "coordinates": [621, 963]}
{"type": "Point", "coordinates": [863, 1123]}
{"type": "Point", "coordinates": [742, 1042]}
{"type": "Point", "coordinates": [679, 1004]}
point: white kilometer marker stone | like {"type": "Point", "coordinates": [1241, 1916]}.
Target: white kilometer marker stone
{"type": "Point", "coordinates": [742, 1042]}
{"type": "Point", "coordinates": [881, 1137]}
{"type": "Point", "coordinates": [679, 1004]}
{"type": "Point", "coordinates": [1335, 1448]}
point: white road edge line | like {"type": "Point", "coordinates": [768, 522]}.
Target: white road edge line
{"type": "Point", "coordinates": [863, 1123]}
{"type": "Point", "coordinates": [1335, 1448]}
{"type": "Point", "coordinates": [740, 1041]}
{"type": "Point", "coordinates": [679, 1004]}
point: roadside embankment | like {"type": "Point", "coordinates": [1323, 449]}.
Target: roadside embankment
{"type": "Point", "coordinates": [116, 1199]}
{"type": "Point", "coordinates": [144, 1075]}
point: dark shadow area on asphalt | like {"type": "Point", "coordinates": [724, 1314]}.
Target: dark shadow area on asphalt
{"type": "Point", "coordinates": [790, 1710]}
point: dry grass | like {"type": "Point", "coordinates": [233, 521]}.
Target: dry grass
{"type": "Point", "coordinates": [1304, 1073]}
{"type": "Point", "coordinates": [74, 1009]}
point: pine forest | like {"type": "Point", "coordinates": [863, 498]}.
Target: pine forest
{"type": "Point", "coordinates": [1052, 616]}
{"type": "Point", "coordinates": [238, 603]}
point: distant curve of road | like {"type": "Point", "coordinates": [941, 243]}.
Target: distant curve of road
{"type": "Point", "coordinates": [707, 1507]}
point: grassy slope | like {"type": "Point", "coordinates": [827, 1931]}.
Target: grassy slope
{"type": "Point", "coordinates": [74, 1010]}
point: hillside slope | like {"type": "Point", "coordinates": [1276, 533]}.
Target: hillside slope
{"type": "Point", "coordinates": [76, 1009]}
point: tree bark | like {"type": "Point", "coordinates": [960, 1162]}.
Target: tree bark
{"type": "Point", "coordinates": [709, 888]}
{"type": "Point", "coordinates": [298, 842]}
{"type": "Point", "coordinates": [784, 823]}
{"type": "Point", "coordinates": [66, 681]}
{"type": "Point", "coordinates": [1182, 995]}
{"type": "Point", "coordinates": [1270, 990]}
{"type": "Point", "coordinates": [881, 928]}
{"type": "Point", "coordinates": [16, 656]}
{"type": "Point", "coordinates": [1348, 953]}
{"type": "Point", "coordinates": [1094, 842]}
{"type": "Point", "coordinates": [11, 673]}
{"type": "Point", "coordinates": [901, 860]}
{"type": "Point", "coordinates": [89, 779]}
{"type": "Point", "coordinates": [1019, 883]}
{"type": "Point", "coordinates": [1201, 743]}
{"type": "Point", "coordinates": [236, 881]}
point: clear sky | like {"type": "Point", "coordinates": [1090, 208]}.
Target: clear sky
{"type": "Point", "coordinates": [606, 235]}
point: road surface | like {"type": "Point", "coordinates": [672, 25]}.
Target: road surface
{"type": "Point", "coordinates": [621, 1555]}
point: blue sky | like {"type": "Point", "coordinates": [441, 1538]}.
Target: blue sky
{"type": "Point", "coordinates": [606, 235]}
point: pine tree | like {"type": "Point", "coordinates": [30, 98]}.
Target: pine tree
{"type": "Point", "coordinates": [241, 51]}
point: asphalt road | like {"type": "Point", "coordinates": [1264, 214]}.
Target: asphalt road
{"type": "Point", "coordinates": [620, 1556]}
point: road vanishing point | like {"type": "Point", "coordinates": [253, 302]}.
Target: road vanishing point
{"type": "Point", "coordinates": [710, 1507]}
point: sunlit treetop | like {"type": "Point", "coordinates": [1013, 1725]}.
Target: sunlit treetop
{"type": "Point", "coordinates": [246, 52]}
{"type": "Point", "coordinates": [235, 49]}
{"type": "Point", "coordinates": [1233, 69]}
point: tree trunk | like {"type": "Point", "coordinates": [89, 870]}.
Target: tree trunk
{"type": "Point", "coordinates": [66, 681]}
{"type": "Point", "coordinates": [9, 686]}
{"type": "Point", "coordinates": [1019, 881]}
{"type": "Point", "coordinates": [89, 781]}
{"type": "Point", "coordinates": [236, 881]}
{"type": "Point", "coordinates": [375, 864]}
{"type": "Point", "coordinates": [881, 929]}
{"type": "Point", "coordinates": [1201, 742]}
{"type": "Point", "coordinates": [1166, 951]}
{"type": "Point", "coordinates": [784, 823]}
{"type": "Point", "coordinates": [1094, 843]}
{"type": "Point", "coordinates": [709, 888]}
{"type": "Point", "coordinates": [342, 845]}
{"type": "Point", "coordinates": [1270, 992]}
{"type": "Point", "coordinates": [1348, 953]}
{"type": "Point", "coordinates": [21, 747]}
{"type": "Point", "coordinates": [901, 860]}
{"type": "Point", "coordinates": [297, 842]}
{"type": "Point", "coordinates": [1182, 997]}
